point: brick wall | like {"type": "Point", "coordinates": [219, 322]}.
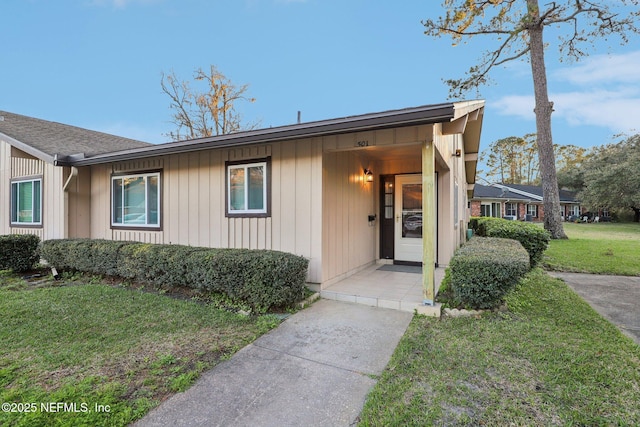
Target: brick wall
{"type": "Point", "coordinates": [475, 208]}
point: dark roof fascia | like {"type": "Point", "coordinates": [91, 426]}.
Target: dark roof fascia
{"type": "Point", "coordinates": [27, 148]}
{"type": "Point", "coordinates": [516, 192]}
{"type": "Point", "coordinates": [375, 121]}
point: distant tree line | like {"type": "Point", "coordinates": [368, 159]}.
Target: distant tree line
{"type": "Point", "coordinates": [605, 177]}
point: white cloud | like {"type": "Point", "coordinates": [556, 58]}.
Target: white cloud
{"type": "Point", "coordinates": [516, 105]}
{"type": "Point", "coordinates": [603, 91]}
{"type": "Point", "coordinates": [617, 110]}
{"type": "Point", "coordinates": [599, 69]}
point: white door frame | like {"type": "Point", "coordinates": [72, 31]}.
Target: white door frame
{"type": "Point", "coordinates": [408, 221]}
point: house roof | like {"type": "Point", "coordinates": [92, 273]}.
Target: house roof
{"type": "Point", "coordinates": [517, 192]}
{"type": "Point", "coordinates": [65, 145]}
{"type": "Point", "coordinates": [490, 192]}
{"type": "Point", "coordinates": [427, 114]}
{"type": "Point", "coordinates": [50, 140]}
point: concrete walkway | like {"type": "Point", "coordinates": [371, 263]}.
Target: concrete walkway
{"type": "Point", "coordinates": [616, 298]}
{"type": "Point", "coordinates": [315, 369]}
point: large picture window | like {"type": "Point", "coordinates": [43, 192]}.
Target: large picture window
{"type": "Point", "coordinates": [26, 202]}
{"type": "Point", "coordinates": [136, 200]}
{"type": "Point", "coordinates": [247, 189]}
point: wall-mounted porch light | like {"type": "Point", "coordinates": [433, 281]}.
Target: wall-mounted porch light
{"type": "Point", "coordinates": [368, 175]}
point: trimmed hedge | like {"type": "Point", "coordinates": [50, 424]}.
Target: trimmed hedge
{"type": "Point", "coordinates": [19, 252]}
{"type": "Point", "coordinates": [262, 279]}
{"type": "Point", "coordinates": [485, 269]}
{"type": "Point", "coordinates": [532, 237]}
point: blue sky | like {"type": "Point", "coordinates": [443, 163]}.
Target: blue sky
{"type": "Point", "coordinates": [97, 64]}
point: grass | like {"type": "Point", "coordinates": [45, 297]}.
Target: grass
{"type": "Point", "coordinates": [549, 360]}
{"type": "Point", "coordinates": [604, 248]}
{"type": "Point", "coordinates": [109, 353]}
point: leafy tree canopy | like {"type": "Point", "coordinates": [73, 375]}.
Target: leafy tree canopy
{"type": "Point", "coordinates": [611, 177]}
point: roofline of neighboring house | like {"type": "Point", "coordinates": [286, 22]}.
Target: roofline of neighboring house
{"type": "Point", "coordinates": [27, 148]}
{"type": "Point", "coordinates": [427, 114]}
{"type": "Point", "coordinates": [533, 197]}
{"type": "Point", "coordinates": [521, 192]}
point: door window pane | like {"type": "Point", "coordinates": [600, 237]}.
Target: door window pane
{"type": "Point", "coordinates": [412, 211]}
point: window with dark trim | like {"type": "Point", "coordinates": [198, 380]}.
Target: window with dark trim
{"type": "Point", "coordinates": [248, 192]}
{"type": "Point", "coordinates": [135, 200]}
{"type": "Point", "coordinates": [26, 202]}
{"type": "Point", "coordinates": [532, 210]}
{"type": "Point", "coordinates": [490, 209]}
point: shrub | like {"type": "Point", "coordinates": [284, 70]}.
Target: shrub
{"type": "Point", "coordinates": [261, 279]}
{"type": "Point", "coordinates": [533, 238]}
{"type": "Point", "coordinates": [19, 252]}
{"type": "Point", "coordinates": [485, 269]}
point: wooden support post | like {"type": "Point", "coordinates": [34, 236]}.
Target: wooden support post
{"type": "Point", "coordinates": [428, 223]}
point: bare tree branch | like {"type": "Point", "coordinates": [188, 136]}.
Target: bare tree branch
{"type": "Point", "coordinates": [206, 113]}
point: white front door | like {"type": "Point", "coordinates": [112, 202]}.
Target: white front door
{"type": "Point", "coordinates": [408, 218]}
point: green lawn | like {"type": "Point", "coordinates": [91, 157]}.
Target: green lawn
{"type": "Point", "coordinates": [549, 360]}
{"type": "Point", "coordinates": [604, 248]}
{"type": "Point", "coordinates": [90, 344]}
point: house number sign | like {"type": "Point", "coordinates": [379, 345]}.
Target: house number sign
{"type": "Point", "coordinates": [363, 143]}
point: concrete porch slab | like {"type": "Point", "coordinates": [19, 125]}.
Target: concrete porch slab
{"type": "Point", "coordinates": [377, 287]}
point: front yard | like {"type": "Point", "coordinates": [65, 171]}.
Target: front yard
{"type": "Point", "coordinates": [90, 354]}
{"type": "Point", "coordinates": [604, 248]}
{"type": "Point", "coordinates": [549, 360]}
{"type": "Point", "coordinates": [81, 352]}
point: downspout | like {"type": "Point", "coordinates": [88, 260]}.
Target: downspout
{"type": "Point", "coordinates": [73, 174]}
{"type": "Point", "coordinates": [65, 190]}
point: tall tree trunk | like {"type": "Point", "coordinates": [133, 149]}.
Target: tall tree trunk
{"type": "Point", "coordinates": [543, 110]}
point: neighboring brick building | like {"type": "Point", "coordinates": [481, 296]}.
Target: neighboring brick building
{"type": "Point", "coordinates": [520, 202]}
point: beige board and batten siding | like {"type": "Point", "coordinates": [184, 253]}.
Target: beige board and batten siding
{"type": "Point", "coordinates": [78, 196]}
{"type": "Point", "coordinates": [349, 240]}
{"type": "Point", "coordinates": [193, 201]}
{"type": "Point", "coordinates": [18, 164]}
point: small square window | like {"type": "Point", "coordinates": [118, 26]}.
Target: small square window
{"type": "Point", "coordinates": [248, 188]}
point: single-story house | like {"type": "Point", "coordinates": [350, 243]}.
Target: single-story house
{"type": "Point", "coordinates": [345, 192]}
{"type": "Point", "coordinates": [520, 202]}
